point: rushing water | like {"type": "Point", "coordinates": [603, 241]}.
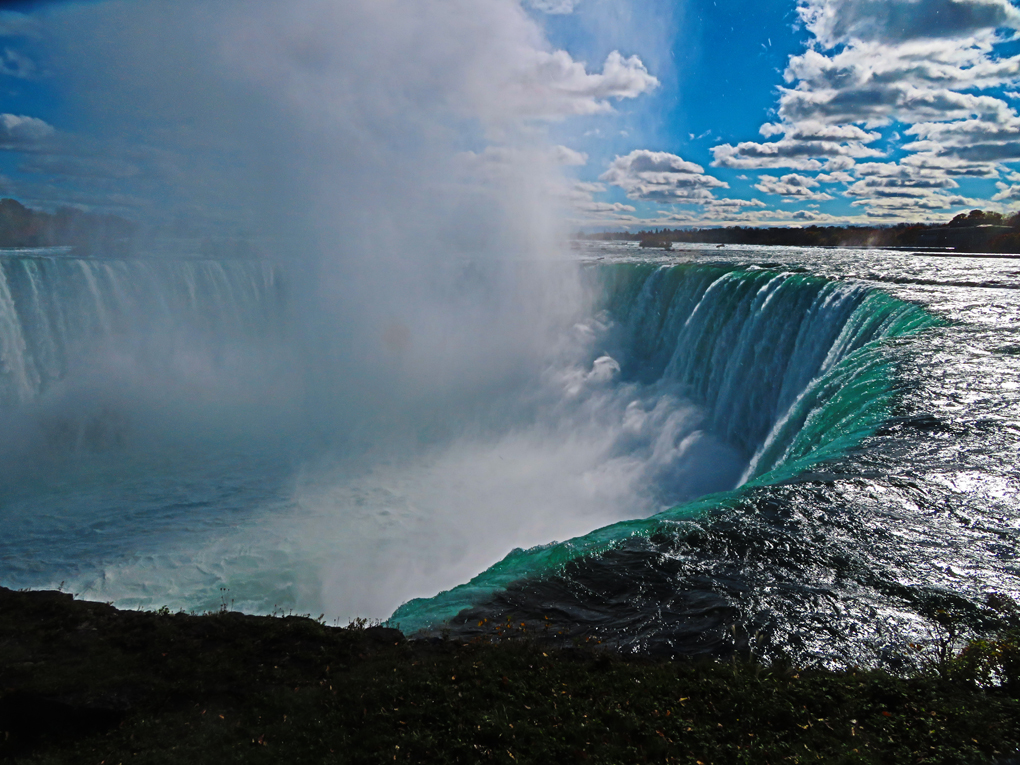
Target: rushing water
{"type": "Point", "coordinates": [798, 450]}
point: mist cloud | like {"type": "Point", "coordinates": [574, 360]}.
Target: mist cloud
{"type": "Point", "coordinates": [394, 159]}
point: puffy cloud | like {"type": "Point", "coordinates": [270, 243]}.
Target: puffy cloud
{"type": "Point", "coordinates": [809, 215]}
{"type": "Point", "coordinates": [813, 131]}
{"type": "Point", "coordinates": [748, 216]}
{"type": "Point", "coordinates": [906, 173]}
{"type": "Point", "coordinates": [604, 207]}
{"type": "Point", "coordinates": [748, 155]}
{"type": "Point", "coordinates": [949, 165]}
{"type": "Point", "coordinates": [658, 176]}
{"type": "Point", "coordinates": [873, 62]}
{"type": "Point", "coordinates": [891, 21]}
{"type": "Point", "coordinates": [898, 187]}
{"type": "Point", "coordinates": [836, 177]}
{"type": "Point", "coordinates": [725, 208]}
{"type": "Point", "coordinates": [1007, 192]}
{"type": "Point", "coordinates": [967, 132]}
{"type": "Point", "coordinates": [890, 186]}
{"type": "Point", "coordinates": [553, 85]}
{"type": "Point", "coordinates": [911, 206]}
{"type": "Point", "coordinates": [943, 65]}
{"type": "Point", "coordinates": [975, 141]}
{"type": "Point", "coordinates": [879, 103]}
{"type": "Point", "coordinates": [792, 186]}
{"type": "Point", "coordinates": [801, 147]}
{"type": "Point", "coordinates": [19, 132]}
{"type": "Point", "coordinates": [902, 189]}
{"type": "Point", "coordinates": [838, 164]}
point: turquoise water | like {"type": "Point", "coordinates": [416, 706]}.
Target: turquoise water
{"type": "Point", "coordinates": [791, 367]}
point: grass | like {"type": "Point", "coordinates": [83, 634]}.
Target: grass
{"type": "Point", "coordinates": [82, 682]}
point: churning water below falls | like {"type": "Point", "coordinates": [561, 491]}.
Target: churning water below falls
{"type": "Point", "coordinates": [788, 449]}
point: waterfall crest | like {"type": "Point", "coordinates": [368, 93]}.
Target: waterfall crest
{"type": "Point", "coordinates": [790, 368]}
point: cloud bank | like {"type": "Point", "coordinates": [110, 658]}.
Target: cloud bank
{"type": "Point", "coordinates": [891, 106]}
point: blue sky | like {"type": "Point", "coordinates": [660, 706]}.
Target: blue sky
{"type": "Point", "coordinates": [701, 112]}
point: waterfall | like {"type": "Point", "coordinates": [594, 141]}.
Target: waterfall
{"type": "Point", "coordinates": [791, 369]}
{"type": "Point", "coordinates": [57, 310]}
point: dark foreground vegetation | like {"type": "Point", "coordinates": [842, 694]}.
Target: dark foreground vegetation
{"type": "Point", "coordinates": [82, 682]}
{"type": "Point", "coordinates": [975, 231]}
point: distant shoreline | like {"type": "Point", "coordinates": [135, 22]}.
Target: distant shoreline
{"type": "Point", "coordinates": [976, 232]}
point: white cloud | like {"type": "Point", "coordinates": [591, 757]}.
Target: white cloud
{"type": "Point", "coordinates": [552, 85]}
{"type": "Point", "coordinates": [1006, 192]}
{"type": "Point", "coordinates": [792, 186]}
{"type": "Point", "coordinates": [803, 144]}
{"type": "Point", "coordinates": [898, 187]}
{"type": "Point", "coordinates": [20, 132]}
{"type": "Point", "coordinates": [840, 21]}
{"type": "Point", "coordinates": [754, 215]}
{"type": "Point", "coordinates": [809, 215]}
{"type": "Point", "coordinates": [877, 104]}
{"type": "Point", "coordinates": [658, 176]}
{"type": "Point", "coordinates": [815, 131]}
{"type": "Point", "coordinates": [931, 64]}
{"type": "Point", "coordinates": [724, 207]}
{"type": "Point", "coordinates": [604, 207]}
{"type": "Point", "coordinates": [873, 62]}
{"type": "Point", "coordinates": [886, 187]}
{"type": "Point", "coordinates": [976, 140]}
{"type": "Point", "coordinates": [836, 177]}
{"type": "Point", "coordinates": [838, 164]}
{"type": "Point", "coordinates": [949, 165]}
{"type": "Point", "coordinates": [800, 153]}
{"type": "Point", "coordinates": [911, 206]}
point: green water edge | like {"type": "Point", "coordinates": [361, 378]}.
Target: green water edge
{"type": "Point", "coordinates": [858, 394]}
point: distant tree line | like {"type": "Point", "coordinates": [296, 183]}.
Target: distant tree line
{"type": "Point", "coordinates": [24, 227]}
{"type": "Point", "coordinates": [974, 231]}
